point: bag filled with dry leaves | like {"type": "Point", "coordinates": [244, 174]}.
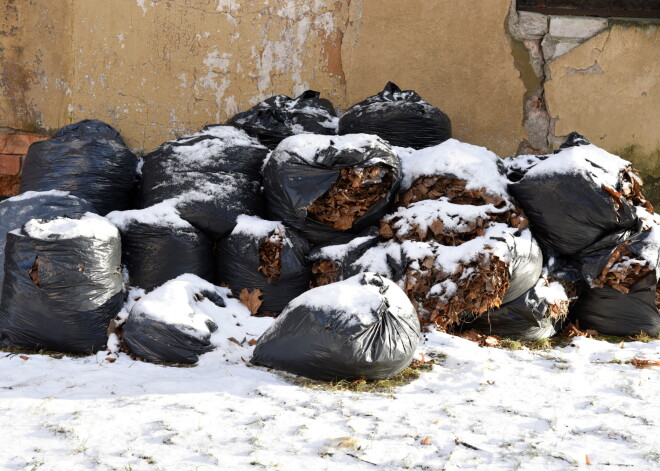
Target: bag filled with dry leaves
{"type": "Point", "coordinates": [579, 196]}
{"type": "Point", "coordinates": [16, 211]}
{"type": "Point", "coordinates": [265, 258]}
{"type": "Point", "coordinates": [280, 116]}
{"type": "Point", "coordinates": [63, 284]}
{"type": "Point", "coordinates": [362, 327]}
{"type": "Point", "coordinates": [157, 246]}
{"type": "Point", "coordinates": [172, 324]}
{"type": "Point", "coordinates": [537, 314]}
{"type": "Point", "coordinates": [623, 286]}
{"type": "Point", "coordinates": [214, 175]}
{"type": "Point", "coordinates": [402, 118]}
{"type": "Point", "coordinates": [331, 187]}
{"type": "Point", "coordinates": [88, 159]}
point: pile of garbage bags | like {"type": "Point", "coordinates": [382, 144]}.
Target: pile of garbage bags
{"type": "Point", "coordinates": [355, 232]}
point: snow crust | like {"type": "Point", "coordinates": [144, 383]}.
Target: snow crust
{"type": "Point", "coordinates": [90, 226]}
{"type": "Point", "coordinates": [163, 214]}
{"type": "Point", "coordinates": [307, 146]}
{"type": "Point", "coordinates": [589, 161]}
{"type": "Point", "coordinates": [35, 194]}
{"type": "Point", "coordinates": [208, 149]}
{"type": "Point", "coordinates": [256, 227]}
{"type": "Point", "coordinates": [339, 251]}
{"type": "Point", "coordinates": [478, 166]}
{"type": "Point", "coordinates": [552, 291]}
{"type": "Point", "coordinates": [360, 302]}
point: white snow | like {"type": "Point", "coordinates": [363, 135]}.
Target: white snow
{"type": "Point", "coordinates": [161, 214]}
{"type": "Point", "coordinates": [255, 226]}
{"type": "Point", "coordinates": [476, 165]}
{"type": "Point", "coordinates": [90, 226]}
{"type": "Point", "coordinates": [35, 194]}
{"type": "Point", "coordinates": [307, 146]}
{"type": "Point", "coordinates": [339, 251]}
{"type": "Point", "coordinates": [589, 160]}
{"type": "Point", "coordinates": [481, 408]}
{"type": "Point", "coordinates": [208, 149]}
{"type": "Point", "coordinates": [552, 291]}
{"type": "Point", "coordinates": [358, 301]}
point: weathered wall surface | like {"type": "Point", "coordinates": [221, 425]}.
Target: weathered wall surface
{"type": "Point", "coordinates": [157, 69]}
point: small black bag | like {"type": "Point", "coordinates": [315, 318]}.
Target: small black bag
{"type": "Point", "coordinates": [280, 116]}
{"type": "Point", "coordinates": [90, 160]}
{"type": "Point", "coordinates": [60, 293]}
{"type": "Point", "coordinates": [363, 327]}
{"type": "Point", "coordinates": [402, 118]}
{"type": "Point", "coordinates": [239, 263]}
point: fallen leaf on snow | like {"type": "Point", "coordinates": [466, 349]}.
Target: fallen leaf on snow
{"type": "Point", "coordinates": [250, 299]}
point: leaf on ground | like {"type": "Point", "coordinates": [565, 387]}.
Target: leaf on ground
{"type": "Point", "coordinates": [23, 357]}
{"type": "Point", "coordinates": [426, 441]}
{"type": "Point", "coordinates": [250, 299]}
{"type": "Point", "coordinates": [642, 363]}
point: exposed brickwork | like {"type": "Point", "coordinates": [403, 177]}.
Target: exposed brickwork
{"type": "Point", "coordinates": [13, 148]}
{"type": "Point", "coordinates": [10, 164]}
{"type": "Point", "coordinates": [18, 143]}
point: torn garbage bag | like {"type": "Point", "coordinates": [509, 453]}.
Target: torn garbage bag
{"type": "Point", "coordinates": [331, 188]}
{"type": "Point", "coordinates": [16, 211]}
{"type": "Point", "coordinates": [63, 284]}
{"type": "Point", "coordinates": [266, 256]}
{"type": "Point", "coordinates": [363, 327]}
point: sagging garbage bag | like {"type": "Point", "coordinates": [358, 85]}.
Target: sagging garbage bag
{"type": "Point", "coordinates": [331, 187]}
{"type": "Point", "coordinates": [623, 287]}
{"type": "Point", "coordinates": [402, 118]}
{"type": "Point", "coordinates": [578, 197]}
{"type": "Point", "coordinates": [63, 284]}
{"type": "Point", "coordinates": [266, 256]}
{"type": "Point", "coordinates": [158, 246]}
{"type": "Point", "coordinates": [214, 175]}
{"type": "Point", "coordinates": [88, 159]}
{"type": "Point", "coordinates": [525, 264]}
{"type": "Point", "coordinates": [16, 211]}
{"type": "Point", "coordinates": [184, 318]}
{"type": "Point", "coordinates": [612, 312]}
{"type": "Point", "coordinates": [363, 327]}
{"type": "Point", "coordinates": [280, 116]}
{"type": "Point", "coordinates": [537, 314]}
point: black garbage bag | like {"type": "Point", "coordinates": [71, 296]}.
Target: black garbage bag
{"type": "Point", "coordinates": [611, 312]}
{"type": "Point", "coordinates": [16, 211]}
{"type": "Point", "coordinates": [170, 324]}
{"type": "Point", "coordinates": [88, 159]}
{"type": "Point", "coordinates": [280, 116]}
{"type": "Point", "coordinates": [214, 175]}
{"type": "Point", "coordinates": [302, 173]}
{"type": "Point", "coordinates": [157, 246]}
{"type": "Point", "coordinates": [537, 314]}
{"type": "Point", "coordinates": [263, 255]}
{"type": "Point", "coordinates": [402, 118]}
{"type": "Point", "coordinates": [571, 199]}
{"type": "Point", "coordinates": [363, 327]}
{"type": "Point", "coordinates": [62, 286]}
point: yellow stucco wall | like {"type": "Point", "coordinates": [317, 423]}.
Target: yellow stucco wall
{"type": "Point", "coordinates": [157, 69]}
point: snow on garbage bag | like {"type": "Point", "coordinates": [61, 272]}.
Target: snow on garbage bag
{"type": "Point", "coordinates": [331, 187]}
{"type": "Point", "coordinates": [580, 196]}
{"type": "Point", "coordinates": [158, 246]}
{"type": "Point", "coordinates": [623, 287]}
{"type": "Point", "coordinates": [402, 118]}
{"type": "Point", "coordinates": [363, 327]}
{"type": "Point", "coordinates": [90, 160]}
{"type": "Point", "coordinates": [186, 317]}
{"type": "Point", "coordinates": [16, 211]}
{"type": "Point", "coordinates": [537, 314]}
{"type": "Point", "coordinates": [266, 256]}
{"type": "Point", "coordinates": [281, 116]}
{"type": "Point", "coordinates": [214, 174]}
{"type": "Point", "coordinates": [63, 284]}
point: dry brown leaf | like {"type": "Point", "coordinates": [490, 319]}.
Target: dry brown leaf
{"type": "Point", "coordinates": [252, 342]}
{"type": "Point", "coordinates": [642, 363]}
{"type": "Point", "coordinates": [251, 299]}
{"type": "Point", "coordinates": [587, 460]}
{"type": "Point", "coordinates": [23, 357]}
{"type": "Point", "coordinates": [426, 441]}
{"type": "Point", "coordinates": [110, 359]}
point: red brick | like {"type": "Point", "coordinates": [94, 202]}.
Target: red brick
{"type": "Point", "coordinates": [9, 185]}
{"type": "Point", "coordinates": [10, 164]}
{"type": "Point", "coordinates": [17, 143]}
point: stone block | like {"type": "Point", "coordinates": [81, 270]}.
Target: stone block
{"type": "Point", "coordinates": [532, 25]}
{"type": "Point", "coordinates": [576, 27]}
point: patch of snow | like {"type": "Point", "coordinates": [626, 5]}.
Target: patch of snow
{"type": "Point", "coordinates": [90, 226]}
{"type": "Point", "coordinates": [162, 214]}
{"type": "Point", "coordinates": [307, 146]}
{"type": "Point", "coordinates": [35, 194]}
{"type": "Point", "coordinates": [255, 226]}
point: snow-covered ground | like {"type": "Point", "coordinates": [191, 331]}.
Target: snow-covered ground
{"type": "Point", "coordinates": [481, 408]}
